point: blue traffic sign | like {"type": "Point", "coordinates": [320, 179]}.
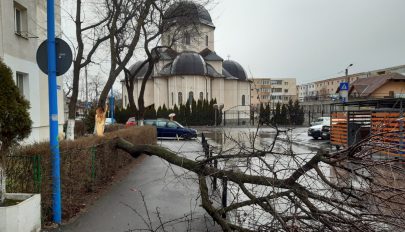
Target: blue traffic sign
{"type": "Point", "coordinates": [344, 86]}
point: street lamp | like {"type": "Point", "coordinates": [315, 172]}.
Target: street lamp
{"type": "Point", "coordinates": [347, 72]}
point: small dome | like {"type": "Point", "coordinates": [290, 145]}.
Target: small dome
{"type": "Point", "coordinates": [141, 73]}
{"type": "Point", "coordinates": [188, 12]}
{"type": "Point", "coordinates": [235, 69]}
{"type": "Point", "coordinates": [189, 63]}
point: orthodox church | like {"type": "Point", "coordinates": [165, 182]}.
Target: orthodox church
{"type": "Point", "coordinates": [189, 67]}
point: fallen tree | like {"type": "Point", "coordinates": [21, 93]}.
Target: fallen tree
{"type": "Point", "coordinates": [274, 189]}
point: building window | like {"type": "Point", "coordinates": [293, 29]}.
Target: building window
{"type": "Point", "coordinates": [180, 98]}
{"type": "Point", "coordinates": [21, 81]}
{"type": "Point", "coordinates": [276, 82]}
{"type": "Point", "coordinates": [201, 96]}
{"type": "Point", "coordinates": [286, 83]}
{"type": "Point", "coordinates": [243, 100]}
{"type": "Point", "coordinates": [276, 90]}
{"type": "Point", "coordinates": [285, 90]}
{"type": "Point", "coordinates": [206, 40]}
{"type": "Point", "coordinates": [20, 20]}
{"type": "Point", "coordinates": [190, 97]}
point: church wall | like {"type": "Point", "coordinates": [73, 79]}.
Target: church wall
{"type": "Point", "coordinates": [218, 90]}
{"type": "Point", "coordinates": [149, 92]}
{"type": "Point", "coordinates": [185, 84]}
{"type": "Point", "coordinates": [197, 44]}
{"type": "Point", "coordinates": [161, 92]}
{"type": "Point", "coordinates": [232, 94]}
{"type": "Point", "coordinates": [217, 65]}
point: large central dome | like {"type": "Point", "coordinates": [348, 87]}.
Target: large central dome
{"type": "Point", "coordinates": [188, 12]}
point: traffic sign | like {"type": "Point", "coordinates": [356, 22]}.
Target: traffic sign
{"type": "Point", "coordinates": [63, 56]}
{"type": "Point", "coordinates": [344, 86]}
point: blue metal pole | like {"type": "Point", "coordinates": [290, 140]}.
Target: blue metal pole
{"type": "Point", "coordinates": [53, 113]}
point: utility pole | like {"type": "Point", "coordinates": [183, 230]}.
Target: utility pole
{"type": "Point", "coordinates": [53, 113]}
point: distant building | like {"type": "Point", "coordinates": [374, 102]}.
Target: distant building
{"type": "Point", "coordinates": [390, 85]}
{"type": "Point", "coordinates": [272, 90]}
{"type": "Point", "coordinates": [327, 90]}
{"type": "Point", "coordinates": [22, 30]}
{"type": "Point", "coordinates": [191, 69]}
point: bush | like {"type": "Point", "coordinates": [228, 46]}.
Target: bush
{"type": "Point", "coordinates": [15, 121]}
{"type": "Point", "coordinates": [87, 163]}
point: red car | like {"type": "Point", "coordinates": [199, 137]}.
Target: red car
{"type": "Point", "coordinates": [131, 122]}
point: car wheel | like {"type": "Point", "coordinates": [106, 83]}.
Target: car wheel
{"type": "Point", "coordinates": [186, 136]}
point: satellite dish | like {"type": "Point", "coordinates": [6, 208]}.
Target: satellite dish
{"type": "Point", "coordinates": [64, 57]}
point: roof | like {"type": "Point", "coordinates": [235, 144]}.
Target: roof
{"type": "Point", "coordinates": [189, 63]}
{"type": "Point", "coordinates": [188, 12]}
{"type": "Point", "coordinates": [366, 86]}
{"type": "Point", "coordinates": [209, 55]}
{"type": "Point", "coordinates": [141, 73]}
{"type": "Point", "coordinates": [235, 69]}
{"type": "Point", "coordinates": [167, 54]}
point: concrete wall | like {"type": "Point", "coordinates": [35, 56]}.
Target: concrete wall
{"type": "Point", "coordinates": [25, 216]}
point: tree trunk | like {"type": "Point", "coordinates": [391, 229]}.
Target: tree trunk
{"type": "Point", "coordinates": [2, 184]}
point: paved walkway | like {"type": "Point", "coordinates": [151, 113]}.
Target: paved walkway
{"type": "Point", "coordinates": [169, 192]}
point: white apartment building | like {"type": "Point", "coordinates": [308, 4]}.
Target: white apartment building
{"type": "Point", "coordinates": [22, 30]}
{"type": "Point", "coordinates": [273, 90]}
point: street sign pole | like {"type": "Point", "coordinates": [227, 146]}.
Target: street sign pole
{"type": "Point", "coordinates": [53, 113]}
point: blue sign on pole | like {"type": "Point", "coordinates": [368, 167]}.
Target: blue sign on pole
{"type": "Point", "coordinates": [344, 86]}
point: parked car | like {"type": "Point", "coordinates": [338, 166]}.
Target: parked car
{"type": "Point", "coordinates": [325, 133]}
{"type": "Point", "coordinates": [171, 129]}
{"type": "Point", "coordinates": [321, 121]}
{"type": "Point", "coordinates": [131, 122]}
{"type": "Point", "coordinates": [109, 121]}
{"type": "Point", "coordinates": [317, 131]}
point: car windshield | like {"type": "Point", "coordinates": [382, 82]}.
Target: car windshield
{"type": "Point", "coordinates": [178, 124]}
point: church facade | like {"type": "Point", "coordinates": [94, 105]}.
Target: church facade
{"type": "Point", "coordinates": [189, 68]}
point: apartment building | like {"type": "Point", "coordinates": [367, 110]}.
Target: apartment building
{"type": "Point", "coordinates": [22, 30]}
{"type": "Point", "coordinates": [327, 89]}
{"type": "Point", "coordinates": [272, 90]}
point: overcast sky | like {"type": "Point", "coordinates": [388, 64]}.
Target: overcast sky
{"type": "Point", "coordinates": [310, 39]}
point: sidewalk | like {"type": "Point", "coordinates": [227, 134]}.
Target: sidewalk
{"type": "Point", "coordinates": [169, 190]}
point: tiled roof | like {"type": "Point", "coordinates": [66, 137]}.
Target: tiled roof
{"type": "Point", "coordinates": [366, 86]}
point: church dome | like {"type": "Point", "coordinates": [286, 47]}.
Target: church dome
{"type": "Point", "coordinates": [235, 69]}
{"type": "Point", "coordinates": [188, 63]}
{"type": "Point", "coordinates": [188, 12]}
{"type": "Point", "coordinates": [141, 73]}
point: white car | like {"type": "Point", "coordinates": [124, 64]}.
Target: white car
{"type": "Point", "coordinates": [321, 121]}
{"type": "Point", "coordinates": [317, 126]}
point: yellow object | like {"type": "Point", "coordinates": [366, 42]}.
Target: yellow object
{"type": "Point", "coordinates": [100, 120]}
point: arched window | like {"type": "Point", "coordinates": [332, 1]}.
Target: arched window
{"type": "Point", "coordinates": [201, 96]}
{"type": "Point", "coordinates": [190, 97]}
{"type": "Point", "coordinates": [243, 100]}
{"type": "Point", "coordinates": [180, 98]}
{"type": "Point", "coordinates": [206, 40]}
